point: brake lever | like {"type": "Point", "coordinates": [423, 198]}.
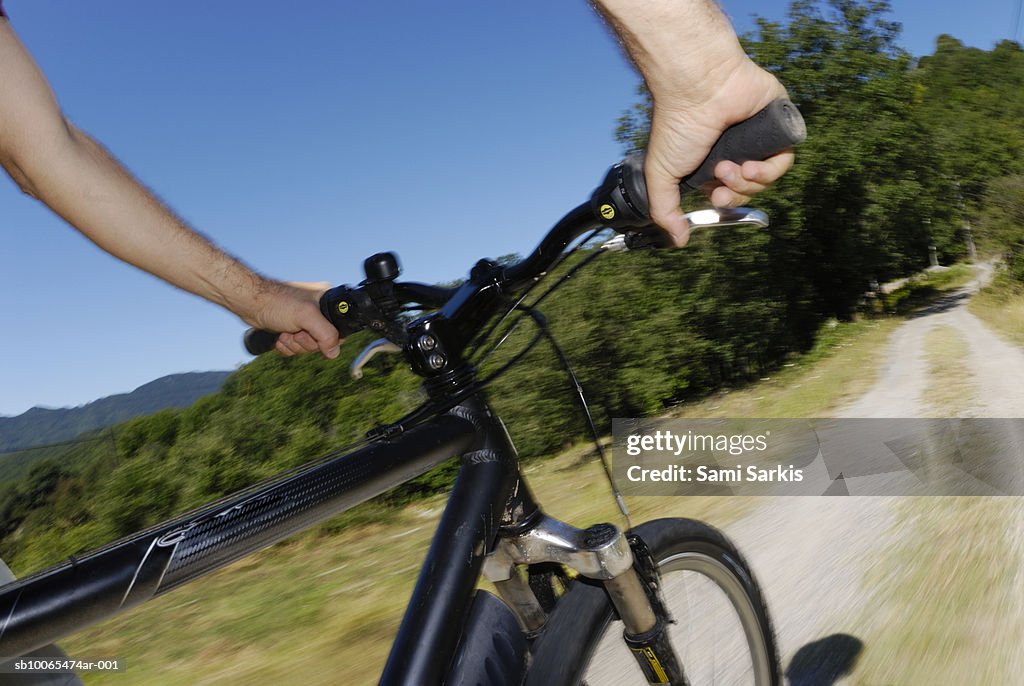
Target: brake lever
{"type": "Point", "coordinates": [710, 218]}
{"type": "Point", "coordinates": [381, 345]}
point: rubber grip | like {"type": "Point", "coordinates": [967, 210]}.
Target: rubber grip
{"type": "Point", "coordinates": [775, 128]}
{"type": "Point", "coordinates": [259, 341]}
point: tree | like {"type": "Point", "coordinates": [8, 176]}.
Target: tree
{"type": "Point", "coordinates": [871, 191]}
{"type": "Point", "coordinates": [1002, 222]}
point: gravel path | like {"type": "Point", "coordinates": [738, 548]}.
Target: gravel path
{"type": "Point", "coordinates": [811, 554]}
{"type": "Point", "coordinates": [997, 366]}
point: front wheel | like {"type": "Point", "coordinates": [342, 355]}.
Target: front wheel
{"type": "Point", "coordinates": [721, 630]}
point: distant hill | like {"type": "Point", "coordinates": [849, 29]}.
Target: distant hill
{"type": "Point", "coordinates": [42, 426]}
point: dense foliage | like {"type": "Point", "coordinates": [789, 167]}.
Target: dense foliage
{"type": "Point", "coordinates": [901, 155]}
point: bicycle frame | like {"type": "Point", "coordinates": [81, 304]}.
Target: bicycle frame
{"type": "Point", "coordinates": [53, 603]}
{"type": "Point", "coordinates": [488, 499]}
{"type": "Point", "coordinates": [489, 512]}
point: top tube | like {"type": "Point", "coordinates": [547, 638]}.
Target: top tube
{"type": "Point", "coordinates": [50, 604]}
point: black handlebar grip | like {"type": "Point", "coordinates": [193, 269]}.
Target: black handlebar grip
{"type": "Point", "coordinates": [259, 341]}
{"type": "Point", "coordinates": [769, 132]}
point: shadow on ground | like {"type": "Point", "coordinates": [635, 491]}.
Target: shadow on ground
{"type": "Point", "coordinates": [824, 661]}
{"type": "Point", "coordinates": [941, 304]}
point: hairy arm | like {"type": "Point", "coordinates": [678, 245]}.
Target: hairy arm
{"type": "Point", "coordinates": [78, 179]}
{"type": "Point", "coordinates": [701, 82]}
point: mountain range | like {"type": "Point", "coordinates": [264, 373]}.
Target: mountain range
{"type": "Point", "coordinates": [44, 426]}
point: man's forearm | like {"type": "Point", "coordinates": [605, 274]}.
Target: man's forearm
{"type": "Point", "coordinates": [93, 192]}
{"type": "Point", "coordinates": [72, 174]}
{"type": "Point", "coordinates": [683, 48]}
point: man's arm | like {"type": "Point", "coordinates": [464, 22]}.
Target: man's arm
{"type": "Point", "coordinates": [71, 173]}
{"type": "Point", "coordinates": [701, 82]}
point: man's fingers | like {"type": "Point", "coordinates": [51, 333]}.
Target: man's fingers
{"type": "Point", "coordinates": [769, 171]}
{"type": "Point", "coordinates": [663, 198]}
{"type": "Point", "coordinates": [323, 335]}
{"type": "Point", "coordinates": [732, 176]}
{"type": "Point", "coordinates": [741, 182]}
{"type": "Point", "coordinates": [723, 196]}
{"type": "Point", "coordinates": [329, 350]}
{"type": "Point", "coordinates": [306, 342]}
{"type": "Point", "coordinates": [287, 345]}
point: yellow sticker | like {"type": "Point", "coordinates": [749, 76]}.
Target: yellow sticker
{"type": "Point", "coordinates": [343, 307]}
{"type": "Point", "coordinates": [607, 211]}
{"type": "Point", "coordinates": [659, 672]}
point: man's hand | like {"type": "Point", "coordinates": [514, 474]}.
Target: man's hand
{"type": "Point", "coordinates": [701, 82]}
{"type": "Point", "coordinates": [683, 133]}
{"type": "Point", "coordinates": [294, 310]}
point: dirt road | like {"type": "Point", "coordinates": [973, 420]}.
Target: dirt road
{"type": "Point", "coordinates": [813, 555]}
{"type": "Point", "coordinates": [819, 559]}
{"type": "Point", "coordinates": [996, 366]}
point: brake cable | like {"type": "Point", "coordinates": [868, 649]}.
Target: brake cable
{"type": "Point", "coordinates": [432, 408]}
{"type": "Point", "coordinates": [561, 281]}
{"type": "Point", "coordinates": [542, 324]}
{"type": "Point", "coordinates": [480, 340]}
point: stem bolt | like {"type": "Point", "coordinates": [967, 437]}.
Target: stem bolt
{"type": "Point", "coordinates": [426, 342]}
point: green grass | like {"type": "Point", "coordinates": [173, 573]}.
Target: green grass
{"type": "Point", "coordinates": [1001, 307]}
{"type": "Point", "coordinates": [956, 276]}
{"type": "Point", "coordinates": [949, 612]}
{"type": "Point", "coordinates": [327, 604]}
{"type": "Point", "coordinates": [842, 365]}
{"type": "Point", "coordinates": [322, 605]}
{"type": "Point", "coordinates": [951, 389]}
{"type": "Point", "coordinates": [924, 287]}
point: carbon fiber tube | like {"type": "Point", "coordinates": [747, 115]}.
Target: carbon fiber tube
{"type": "Point", "coordinates": [46, 606]}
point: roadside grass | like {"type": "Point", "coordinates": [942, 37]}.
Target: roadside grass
{"type": "Point", "coordinates": [301, 611]}
{"type": "Point", "coordinates": [328, 604]}
{"type": "Point", "coordinates": [1001, 306]}
{"type": "Point", "coordinates": [323, 607]}
{"type": "Point", "coordinates": [951, 390]}
{"type": "Point", "coordinates": [921, 288]}
{"type": "Point", "coordinates": [841, 366]}
{"type": "Point", "coordinates": [955, 276]}
{"type": "Point", "coordinates": [949, 610]}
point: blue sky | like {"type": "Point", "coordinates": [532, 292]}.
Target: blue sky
{"type": "Point", "coordinates": [303, 140]}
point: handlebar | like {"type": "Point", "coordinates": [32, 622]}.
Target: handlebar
{"type": "Point", "coordinates": [620, 202]}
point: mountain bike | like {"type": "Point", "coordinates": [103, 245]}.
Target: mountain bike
{"type": "Point", "coordinates": [689, 606]}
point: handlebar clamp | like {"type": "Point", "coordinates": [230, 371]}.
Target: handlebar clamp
{"type": "Point", "coordinates": [372, 305]}
{"type": "Point", "coordinates": [350, 310]}
{"type": "Point", "coordinates": [620, 202]}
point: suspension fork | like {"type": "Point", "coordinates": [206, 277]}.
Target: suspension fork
{"type": "Point", "coordinates": [602, 552]}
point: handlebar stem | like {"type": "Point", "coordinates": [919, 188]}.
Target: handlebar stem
{"type": "Point", "coordinates": [435, 343]}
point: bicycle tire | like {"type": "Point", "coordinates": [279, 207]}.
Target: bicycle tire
{"type": "Point", "coordinates": [582, 620]}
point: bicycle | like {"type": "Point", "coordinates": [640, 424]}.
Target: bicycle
{"type": "Point", "coordinates": [549, 624]}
